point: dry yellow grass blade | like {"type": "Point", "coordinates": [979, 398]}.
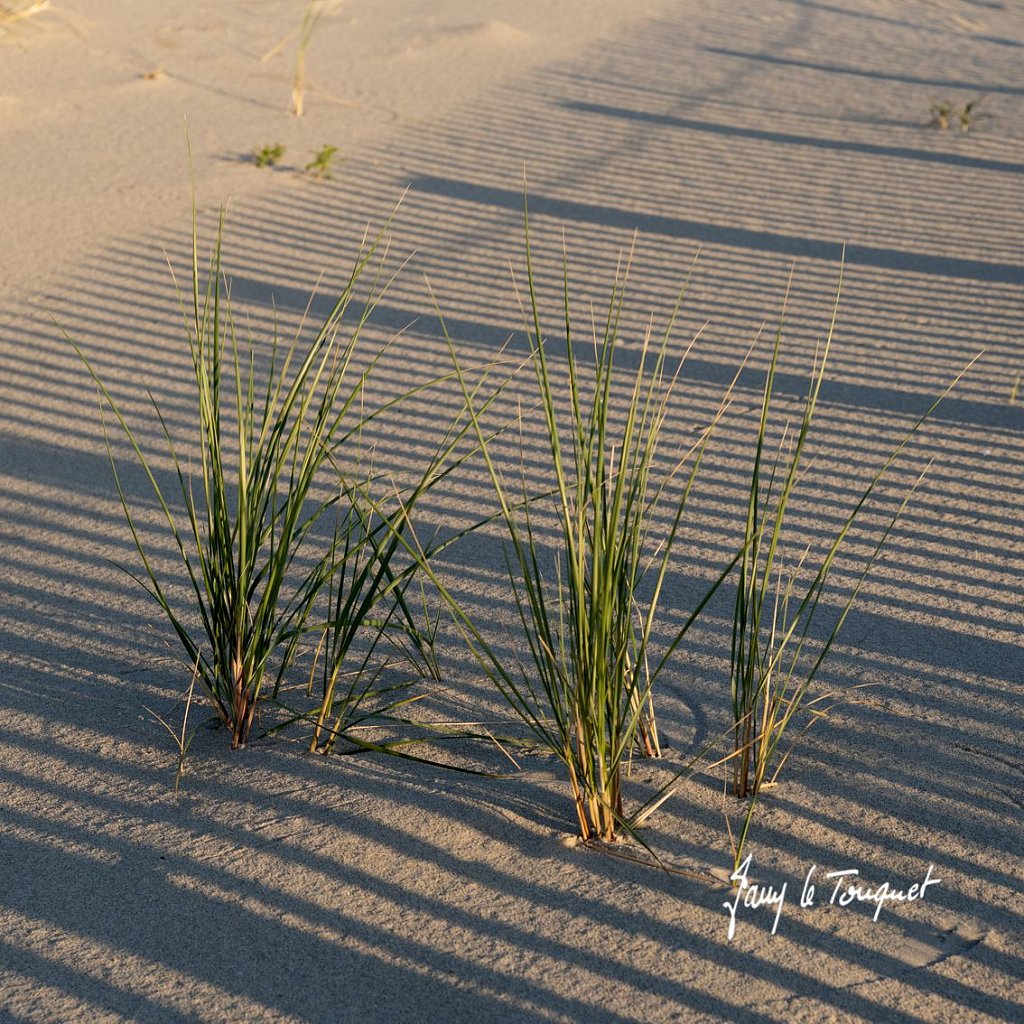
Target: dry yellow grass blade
{"type": "Point", "coordinates": [10, 13]}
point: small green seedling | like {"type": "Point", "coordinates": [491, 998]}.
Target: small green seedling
{"type": "Point", "coordinates": [268, 156]}
{"type": "Point", "coordinates": [945, 113]}
{"type": "Point", "coordinates": [1015, 390]}
{"type": "Point", "coordinates": [322, 164]}
{"type": "Point", "coordinates": [968, 113]}
{"type": "Point", "coordinates": [941, 114]}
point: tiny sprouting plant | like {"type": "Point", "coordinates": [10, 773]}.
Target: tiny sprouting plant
{"type": "Point", "coordinates": [941, 113]}
{"type": "Point", "coordinates": [946, 113]}
{"type": "Point", "coordinates": [321, 166]}
{"type": "Point", "coordinates": [269, 155]}
{"type": "Point", "coordinates": [968, 114]}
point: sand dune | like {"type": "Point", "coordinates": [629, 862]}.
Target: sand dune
{"type": "Point", "coordinates": [762, 133]}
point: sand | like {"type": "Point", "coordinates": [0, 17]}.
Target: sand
{"type": "Point", "coordinates": [279, 886]}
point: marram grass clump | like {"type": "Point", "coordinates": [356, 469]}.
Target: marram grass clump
{"type": "Point", "coordinates": [242, 529]}
{"type": "Point", "coordinates": [589, 611]}
{"type": "Point", "coordinates": [775, 658]}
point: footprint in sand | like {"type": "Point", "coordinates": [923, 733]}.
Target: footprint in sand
{"type": "Point", "coordinates": [954, 940]}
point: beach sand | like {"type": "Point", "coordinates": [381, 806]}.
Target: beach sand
{"type": "Point", "coordinates": [763, 134]}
